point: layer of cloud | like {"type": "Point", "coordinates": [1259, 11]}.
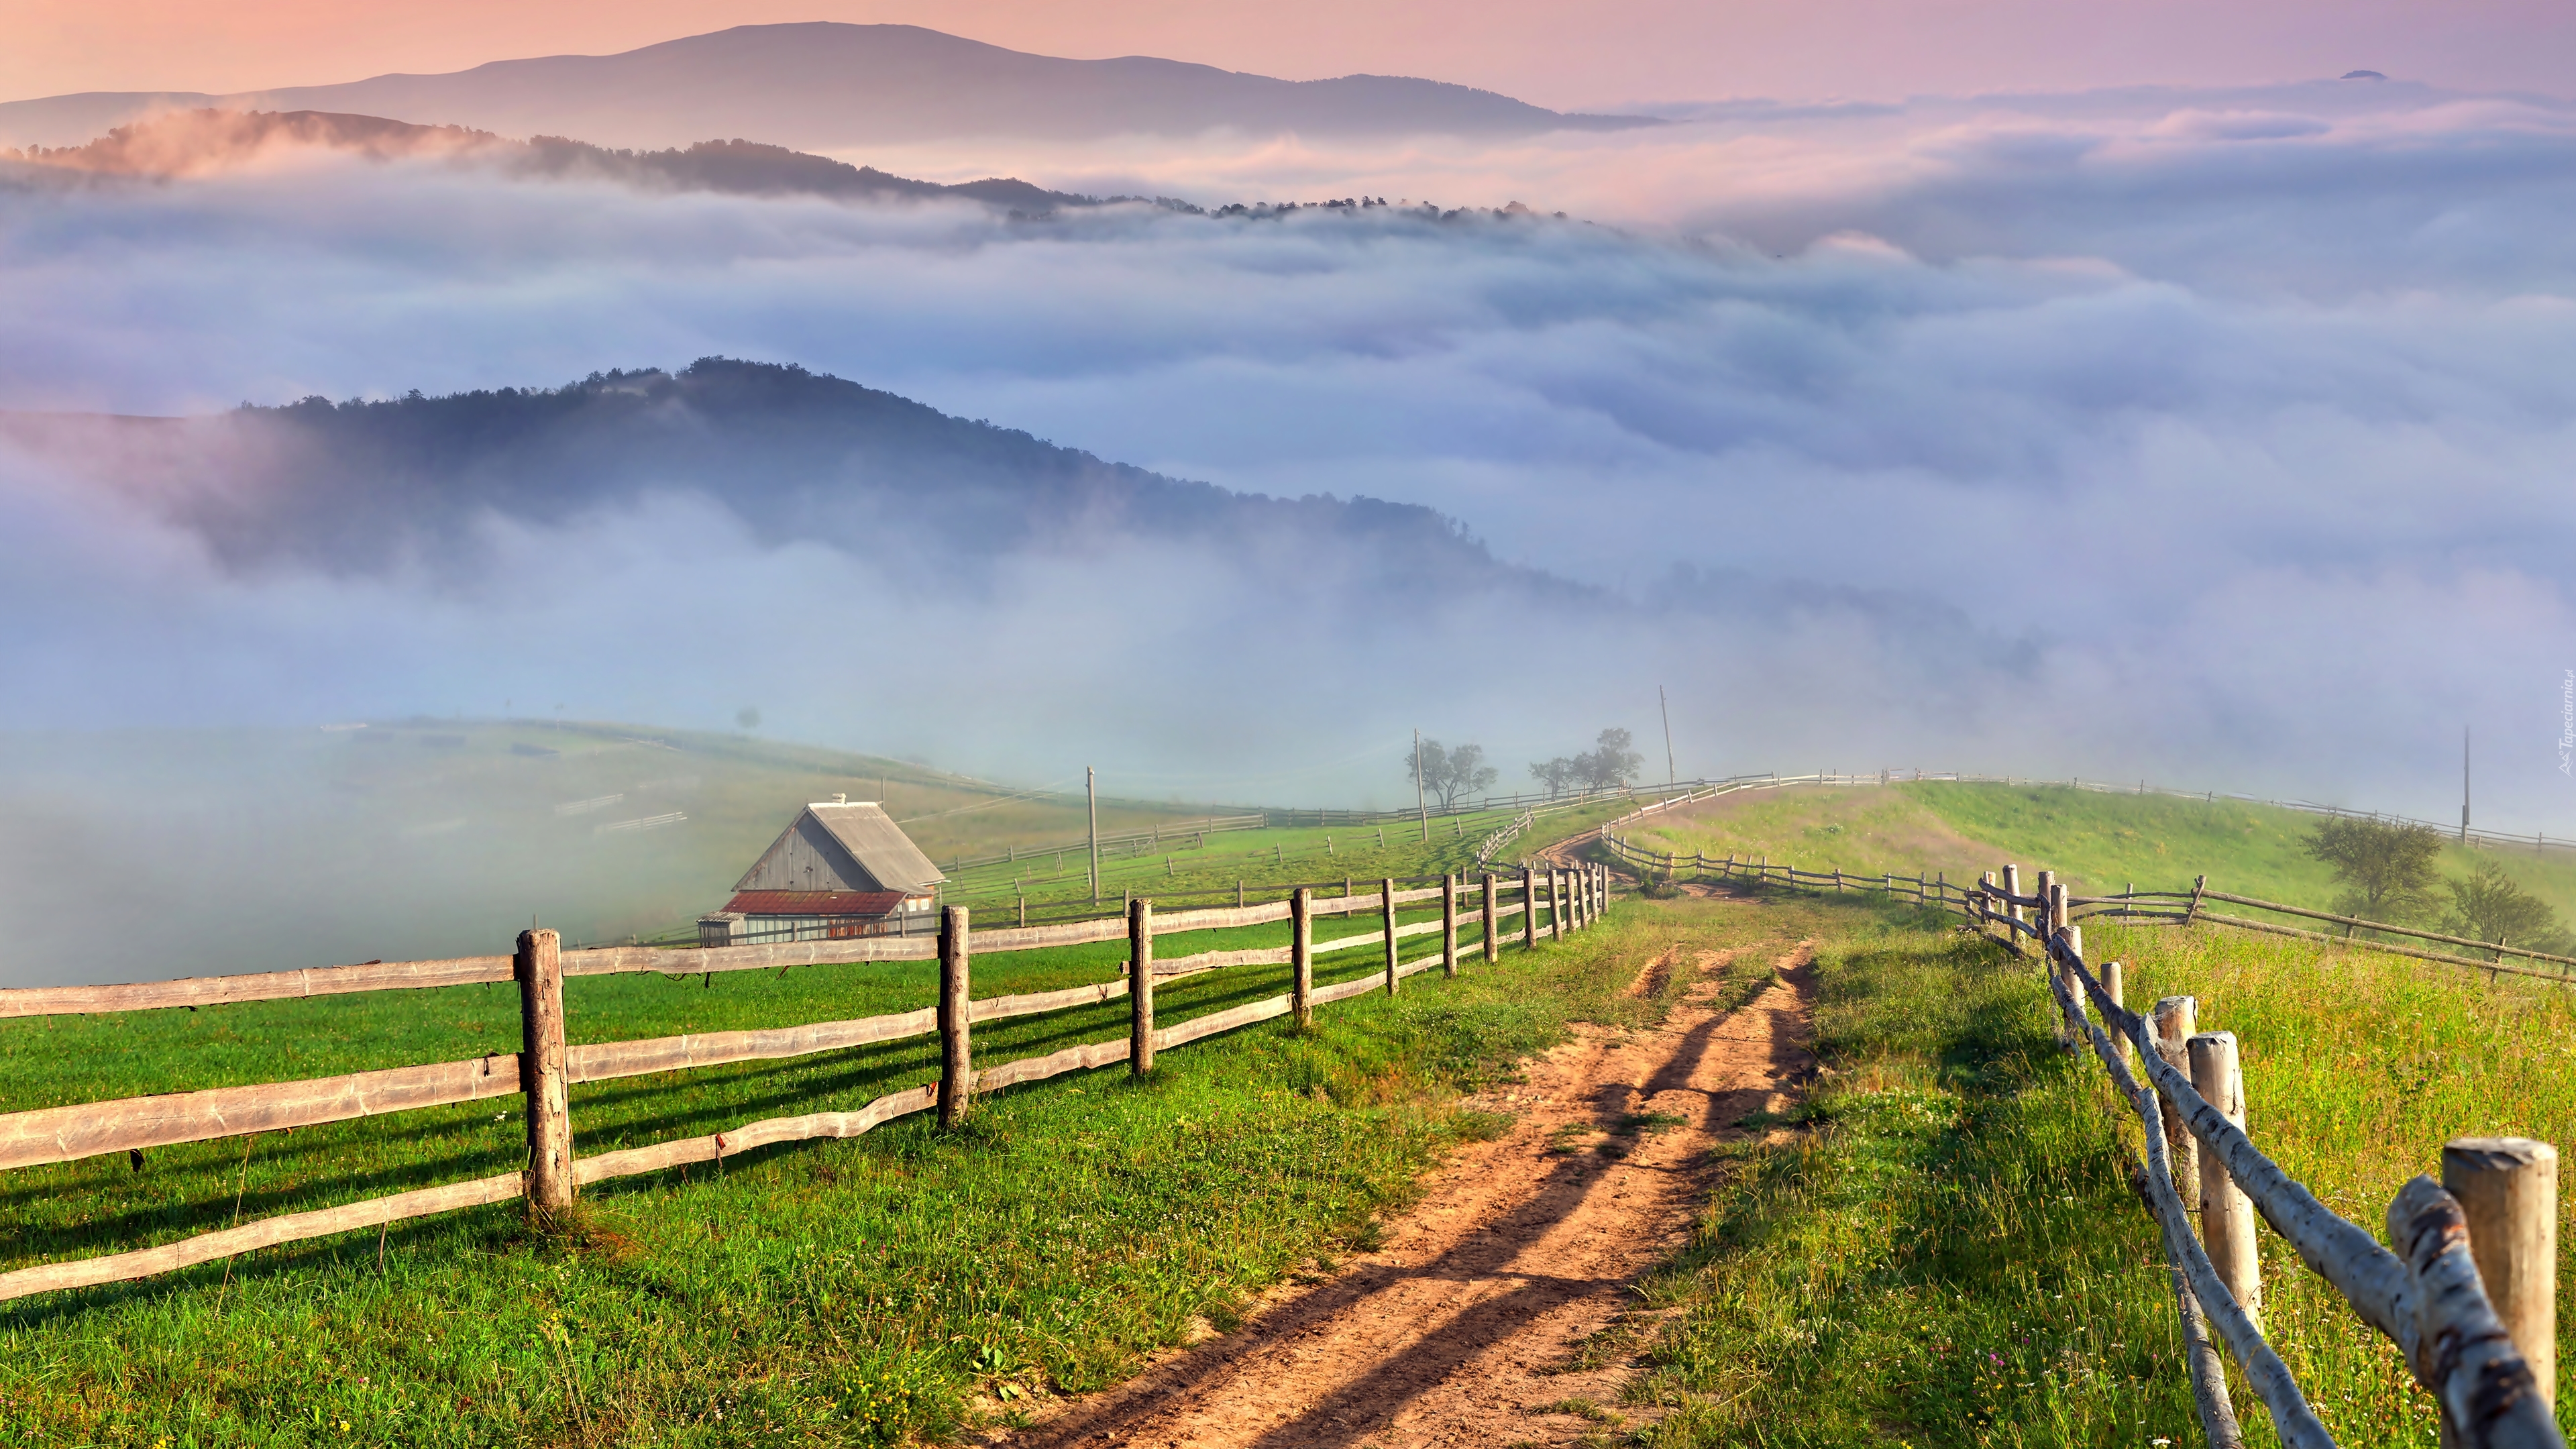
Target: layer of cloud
{"type": "Point", "coordinates": [2216, 438]}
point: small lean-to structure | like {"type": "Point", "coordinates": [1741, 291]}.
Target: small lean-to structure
{"type": "Point", "coordinates": [842, 868]}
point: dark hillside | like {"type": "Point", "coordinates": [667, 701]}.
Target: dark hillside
{"type": "Point", "coordinates": [353, 486]}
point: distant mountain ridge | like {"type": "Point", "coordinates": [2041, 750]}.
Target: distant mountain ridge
{"type": "Point", "coordinates": [824, 85]}
{"type": "Point", "coordinates": [184, 143]}
{"type": "Point", "coordinates": [356, 487]}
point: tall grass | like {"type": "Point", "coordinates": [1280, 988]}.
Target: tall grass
{"type": "Point", "coordinates": [2358, 1067]}
{"type": "Point", "coordinates": [1941, 1248]}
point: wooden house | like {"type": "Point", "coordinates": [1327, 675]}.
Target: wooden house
{"type": "Point", "coordinates": [842, 868]}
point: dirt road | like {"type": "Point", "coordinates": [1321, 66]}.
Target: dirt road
{"type": "Point", "coordinates": [1471, 1323]}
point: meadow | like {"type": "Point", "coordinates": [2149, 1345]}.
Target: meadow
{"type": "Point", "coordinates": [2103, 843]}
{"type": "Point", "coordinates": [880, 1290]}
{"type": "Point", "coordinates": [1940, 1244]}
{"type": "Point", "coordinates": [1937, 1246]}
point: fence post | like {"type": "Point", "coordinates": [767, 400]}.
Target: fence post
{"type": "Point", "coordinates": [956, 1067]}
{"type": "Point", "coordinates": [2226, 1213]}
{"type": "Point", "coordinates": [2110, 974]}
{"type": "Point", "coordinates": [2177, 1020]}
{"type": "Point", "coordinates": [1301, 956]}
{"type": "Point", "coordinates": [2012, 887]}
{"type": "Point", "coordinates": [1386, 901]}
{"type": "Point", "coordinates": [1555, 904]}
{"type": "Point", "coordinates": [2046, 890]}
{"type": "Point", "coordinates": [1448, 925]}
{"type": "Point", "coordinates": [1140, 987]}
{"type": "Point", "coordinates": [1529, 908]}
{"type": "Point", "coordinates": [2508, 1190]}
{"type": "Point", "coordinates": [1492, 949]}
{"type": "Point", "coordinates": [2058, 927]}
{"type": "Point", "coordinates": [538, 966]}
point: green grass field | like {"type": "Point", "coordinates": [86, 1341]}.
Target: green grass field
{"type": "Point", "coordinates": [1937, 1247]}
{"type": "Point", "coordinates": [873, 1291]}
{"type": "Point", "coordinates": [1267, 861]}
{"type": "Point", "coordinates": [1940, 1247]}
{"type": "Point", "coordinates": [2102, 842]}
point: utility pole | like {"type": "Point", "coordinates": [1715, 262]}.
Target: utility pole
{"type": "Point", "coordinates": [1091, 788]}
{"type": "Point", "coordinates": [1671, 775]}
{"type": "Point", "coordinates": [1421, 805]}
{"type": "Point", "coordinates": [2464, 784]}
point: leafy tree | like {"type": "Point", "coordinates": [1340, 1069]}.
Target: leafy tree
{"type": "Point", "coordinates": [1555, 774]}
{"type": "Point", "coordinates": [1608, 764]}
{"type": "Point", "coordinates": [1454, 774]}
{"type": "Point", "coordinates": [2490, 906]}
{"type": "Point", "coordinates": [2386, 869]}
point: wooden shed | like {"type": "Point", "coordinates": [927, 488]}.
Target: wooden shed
{"type": "Point", "coordinates": [842, 868]}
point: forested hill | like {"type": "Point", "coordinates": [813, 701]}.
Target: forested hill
{"type": "Point", "coordinates": [182, 143]}
{"type": "Point", "coordinates": [355, 486]}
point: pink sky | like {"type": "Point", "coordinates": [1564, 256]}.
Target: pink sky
{"type": "Point", "coordinates": [1557, 54]}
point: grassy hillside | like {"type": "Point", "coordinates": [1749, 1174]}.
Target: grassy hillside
{"type": "Point", "coordinates": [2101, 842]}
{"type": "Point", "coordinates": [878, 1291]}
{"type": "Point", "coordinates": [1263, 860]}
{"type": "Point", "coordinates": [250, 850]}
{"type": "Point", "coordinates": [1941, 1246]}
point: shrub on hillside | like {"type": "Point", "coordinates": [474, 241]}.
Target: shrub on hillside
{"type": "Point", "coordinates": [2490, 906]}
{"type": "Point", "coordinates": [2386, 869]}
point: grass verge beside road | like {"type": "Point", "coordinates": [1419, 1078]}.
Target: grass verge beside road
{"type": "Point", "coordinates": [1941, 1245]}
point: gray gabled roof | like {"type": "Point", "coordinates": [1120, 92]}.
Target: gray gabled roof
{"type": "Point", "coordinates": [868, 833]}
{"type": "Point", "coordinates": [846, 846]}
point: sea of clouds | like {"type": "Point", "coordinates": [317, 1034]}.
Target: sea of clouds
{"type": "Point", "coordinates": [2217, 438]}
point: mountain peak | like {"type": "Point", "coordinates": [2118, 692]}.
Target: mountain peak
{"type": "Point", "coordinates": [826, 85]}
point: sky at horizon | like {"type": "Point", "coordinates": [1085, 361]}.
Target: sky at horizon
{"type": "Point", "coordinates": [2246, 407]}
{"type": "Point", "coordinates": [1623, 53]}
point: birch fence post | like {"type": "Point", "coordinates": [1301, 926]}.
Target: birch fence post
{"type": "Point", "coordinates": [1386, 902]}
{"type": "Point", "coordinates": [956, 1066]}
{"type": "Point", "coordinates": [2508, 1190]}
{"type": "Point", "coordinates": [1301, 957]}
{"type": "Point", "coordinates": [1448, 925]}
{"type": "Point", "coordinates": [1492, 950]}
{"type": "Point", "coordinates": [2177, 1019]}
{"type": "Point", "coordinates": [1529, 909]}
{"type": "Point", "coordinates": [539, 969]}
{"type": "Point", "coordinates": [2111, 987]}
{"type": "Point", "coordinates": [2012, 887]}
{"type": "Point", "coordinates": [1140, 987]}
{"type": "Point", "coordinates": [2226, 1213]}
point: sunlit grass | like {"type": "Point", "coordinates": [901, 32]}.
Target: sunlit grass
{"type": "Point", "coordinates": [875, 1291]}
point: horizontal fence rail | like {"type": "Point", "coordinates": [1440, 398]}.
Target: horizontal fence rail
{"type": "Point", "coordinates": [2486, 1350]}
{"type": "Point", "coordinates": [547, 1065]}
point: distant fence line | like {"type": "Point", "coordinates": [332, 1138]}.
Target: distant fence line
{"type": "Point", "coordinates": [2468, 1298]}
{"type": "Point", "coordinates": [1556, 901]}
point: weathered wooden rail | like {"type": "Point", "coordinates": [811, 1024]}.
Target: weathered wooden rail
{"type": "Point", "coordinates": [2469, 1296]}
{"type": "Point", "coordinates": [546, 1067]}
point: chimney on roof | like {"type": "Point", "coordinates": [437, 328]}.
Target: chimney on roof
{"type": "Point", "coordinates": [840, 799]}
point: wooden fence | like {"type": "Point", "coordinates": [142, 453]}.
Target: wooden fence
{"type": "Point", "coordinates": [542, 1071]}
{"type": "Point", "coordinates": [2469, 1297]}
